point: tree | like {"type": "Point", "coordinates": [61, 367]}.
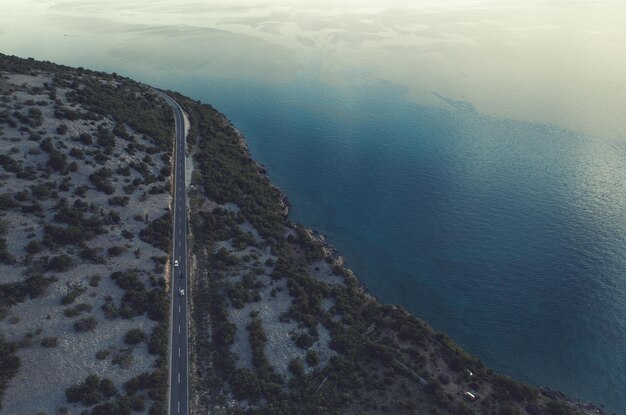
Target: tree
{"type": "Point", "coordinates": [59, 263]}
{"type": "Point", "coordinates": [134, 336]}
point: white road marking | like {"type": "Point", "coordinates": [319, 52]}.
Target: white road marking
{"type": "Point", "coordinates": [179, 308]}
{"type": "Point", "coordinates": [179, 329]}
{"type": "Point", "coordinates": [178, 377]}
{"type": "Point", "coordinates": [179, 352]}
{"type": "Point", "coordinates": [178, 406]}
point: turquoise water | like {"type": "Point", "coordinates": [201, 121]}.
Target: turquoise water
{"type": "Point", "coordinates": [509, 236]}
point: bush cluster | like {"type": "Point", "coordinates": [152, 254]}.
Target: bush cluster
{"type": "Point", "coordinates": [16, 292]}
{"type": "Point", "coordinates": [134, 336]}
{"type": "Point", "coordinates": [101, 180]}
{"type": "Point", "coordinates": [91, 391]}
{"type": "Point", "coordinates": [72, 295]}
{"type": "Point", "coordinates": [128, 104]}
{"type": "Point", "coordinates": [228, 174]}
{"type": "Point", "coordinates": [158, 232]}
{"type": "Point", "coordinates": [9, 365]}
{"type": "Point", "coordinates": [49, 342]}
{"type": "Point", "coordinates": [145, 114]}
{"type": "Point", "coordinates": [138, 300]}
{"type": "Point", "coordinates": [77, 310]}
{"type": "Point", "coordinates": [85, 324]}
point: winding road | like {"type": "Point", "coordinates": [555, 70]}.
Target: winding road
{"type": "Point", "coordinates": [179, 363]}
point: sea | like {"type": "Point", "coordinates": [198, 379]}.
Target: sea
{"type": "Point", "coordinates": [468, 161]}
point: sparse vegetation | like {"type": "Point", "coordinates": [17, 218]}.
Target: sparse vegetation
{"type": "Point", "coordinates": [355, 356]}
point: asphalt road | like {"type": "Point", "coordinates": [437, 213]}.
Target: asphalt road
{"type": "Point", "coordinates": [178, 387]}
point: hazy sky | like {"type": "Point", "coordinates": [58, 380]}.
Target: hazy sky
{"type": "Point", "coordinates": [560, 62]}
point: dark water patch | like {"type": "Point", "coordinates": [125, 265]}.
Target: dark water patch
{"type": "Point", "coordinates": [507, 235]}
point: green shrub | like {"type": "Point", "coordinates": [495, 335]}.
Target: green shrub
{"type": "Point", "coordinates": [16, 292]}
{"type": "Point", "coordinates": [157, 233]}
{"type": "Point", "coordinates": [57, 160]}
{"type": "Point", "coordinates": [91, 254]}
{"type": "Point", "coordinates": [91, 391]}
{"type": "Point", "coordinates": [5, 257]}
{"type": "Point", "coordinates": [109, 310]}
{"type": "Point", "coordinates": [33, 247]}
{"type": "Point", "coordinates": [85, 138]}
{"type": "Point", "coordinates": [158, 342]}
{"type": "Point", "coordinates": [77, 153]}
{"type": "Point", "coordinates": [80, 190]}
{"type": "Point", "coordinates": [121, 406]}
{"type": "Point", "coordinates": [59, 263]}
{"type": "Point", "coordinates": [304, 341]}
{"type": "Point", "coordinates": [21, 196]}
{"type": "Point", "coordinates": [94, 281]}
{"type": "Point", "coordinates": [9, 365]}
{"type": "Point", "coordinates": [105, 139]}
{"type": "Point", "coordinates": [119, 201]}
{"type": "Point", "coordinates": [62, 235]}
{"type": "Point", "coordinates": [71, 296]}
{"type": "Point", "coordinates": [144, 380]}
{"type": "Point", "coordinates": [128, 280]}
{"type": "Point", "coordinates": [312, 358]}
{"type": "Point", "coordinates": [77, 310]}
{"type": "Point", "coordinates": [296, 368]}
{"type": "Point", "coordinates": [134, 336]}
{"type": "Point", "coordinates": [116, 250]}
{"type": "Point", "coordinates": [85, 324]}
{"type": "Point", "coordinates": [100, 179]}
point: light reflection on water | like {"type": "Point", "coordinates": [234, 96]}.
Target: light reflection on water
{"type": "Point", "coordinates": [507, 235]}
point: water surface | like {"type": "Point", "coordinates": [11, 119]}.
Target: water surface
{"type": "Point", "coordinates": [467, 158]}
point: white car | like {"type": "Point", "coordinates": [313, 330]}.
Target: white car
{"type": "Point", "coordinates": [181, 291]}
{"type": "Point", "coordinates": [175, 262]}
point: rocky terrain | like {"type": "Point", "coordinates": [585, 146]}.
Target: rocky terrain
{"type": "Point", "coordinates": [84, 191]}
{"type": "Point", "coordinates": [279, 324]}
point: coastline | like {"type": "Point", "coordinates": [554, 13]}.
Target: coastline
{"type": "Point", "coordinates": [283, 324]}
{"type": "Point", "coordinates": [309, 240]}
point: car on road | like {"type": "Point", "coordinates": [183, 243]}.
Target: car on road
{"type": "Point", "coordinates": [181, 291]}
{"type": "Point", "coordinates": [175, 262]}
